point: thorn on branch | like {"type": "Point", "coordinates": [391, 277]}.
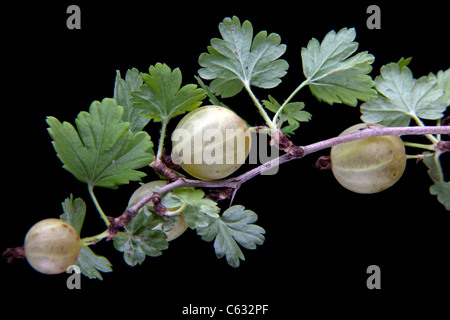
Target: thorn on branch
{"type": "Point", "coordinates": [14, 253]}
{"type": "Point", "coordinates": [323, 163]}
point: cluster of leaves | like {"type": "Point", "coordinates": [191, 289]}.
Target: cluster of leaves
{"type": "Point", "coordinates": [293, 113]}
{"type": "Point", "coordinates": [334, 74]}
{"type": "Point", "coordinates": [108, 146]}
{"type": "Point", "coordinates": [401, 99]}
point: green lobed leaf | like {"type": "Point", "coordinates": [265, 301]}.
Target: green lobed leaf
{"type": "Point", "coordinates": [238, 60]}
{"type": "Point", "coordinates": [198, 210]}
{"type": "Point", "coordinates": [161, 97]}
{"type": "Point", "coordinates": [140, 240]}
{"type": "Point", "coordinates": [293, 113]}
{"type": "Point", "coordinates": [333, 75]}
{"type": "Point", "coordinates": [74, 212]}
{"type": "Point", "coordinates": [101, 151]}
{"type": "Point", "coordinates": [404, 62]}
{"type": "Point", "coordinates": [402, 97]}
{"type": "Point", "coordinates": [122, 95]}
{"type": "Point", "coordinates": [234, 227]}
{"type": "Point", "coordinates": [90, 264]}
{"type": "Point", "coordinates": [211, 96]}
{"type": "Point", "coordinates": [443, 80]}
{"type": "Point", "coordinates": [440, 188]}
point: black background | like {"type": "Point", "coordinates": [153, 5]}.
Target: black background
{"type": "Point", "coordinates": [320, 238]}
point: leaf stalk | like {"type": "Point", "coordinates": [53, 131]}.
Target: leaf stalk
{"type": "Point", "coordinates": [97, 205]}
{"type": "Point", "coordinates": [276, 116]}
{"type": "Point", "coordinates": [430, 147]}
{"type": "Point", "coordinates": [419, 122]}
{"type": "Point", "coordinates": [94, 239]}
{"type": "Point", "coordinates": [161, 139]}
{"type": "Point", "coordinates": [258, 105]}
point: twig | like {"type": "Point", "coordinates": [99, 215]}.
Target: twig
{"type": "Point", "coordinates": [14, 253]}
{"type": "Point", "coordinates": [293, 152]}
{"type": "Point", "coordinates": [374, 132]}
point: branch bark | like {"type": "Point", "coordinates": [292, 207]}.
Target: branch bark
{"type": "Point", "coordinates": [293, 152]}
{"type": "Point", "coordinates": [374, 132]}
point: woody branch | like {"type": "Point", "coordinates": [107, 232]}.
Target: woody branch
{"type": "Point", "coordinates": [292, 152]}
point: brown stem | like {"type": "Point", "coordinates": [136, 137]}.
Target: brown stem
{"type": "Point", "coordinates": [161, 168]}
{"type": "Point", "coordinates": [374, 132]}
{"type": "Point", "coordinates": [293, 152]}
{"type": "Point", "coordinates": [14, 253]}
{"type": "Point", "coordinates": [282, 142]}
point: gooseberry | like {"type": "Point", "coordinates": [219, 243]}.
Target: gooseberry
{"type": "Point", "coordinates": [368, 165]}
{"type": "Point", "coordinates": [51, 246]}
{"type": "Point", "coordinates": [211, 142]}
{"type": "Point", "coordinates": [179, 227]}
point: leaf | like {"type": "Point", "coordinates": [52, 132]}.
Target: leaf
{"type": "Point", "coordinates": [198, 210]}
{"type": "Point", "coordinates": [443, 80]}
{"type": "Point", "coordinates": [234, 227]}
{"type": "Point", "coordinates": [122, 95]}
{"type": "Point", "coordinates": [161, 98]}
{"type": "Point", "coordinates": [101, 151]}
{"type": "Point", "coordinates": [141, 240]}
{"type": "Point", "coordinates": [90, 264]}
{"type": "Point", "coordinates": [292, 113]}
{"type": "Point", "coordinates": [239, 60]}
{"type": "Point", "coordinates": [334, 76]}
{"type": "Point", "coordinates": [440, 188]}
{"type": "Point", "coordinates": [211, 97]}
{"type": "Point", "coordinates": [74, 212]}
{"type": "Point", "coordinates": [404, 62]}
{"type": "Point", "coordinates": [402, 97]}
{"type": "Point", "coordinates": [88, 261]}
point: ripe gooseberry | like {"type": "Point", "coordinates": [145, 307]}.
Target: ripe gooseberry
{"type": "Point", "coordinates": [211, 142]}
{"type": "Point", "coordinates": [179, 227]}
{"type": "Point", "coordinates": [368, 165]}
{"type": "Point", "coordinates": [51, 246]}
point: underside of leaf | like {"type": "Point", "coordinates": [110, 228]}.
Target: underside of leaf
{"type": "Point", "coordinates": [238, 60]}
{"type": "Point", "coordinates": [403, 98]}
{"type": "Point", "coordinates": [234, 227]}
{"type": "Point", "coordinates": [333, 75]}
